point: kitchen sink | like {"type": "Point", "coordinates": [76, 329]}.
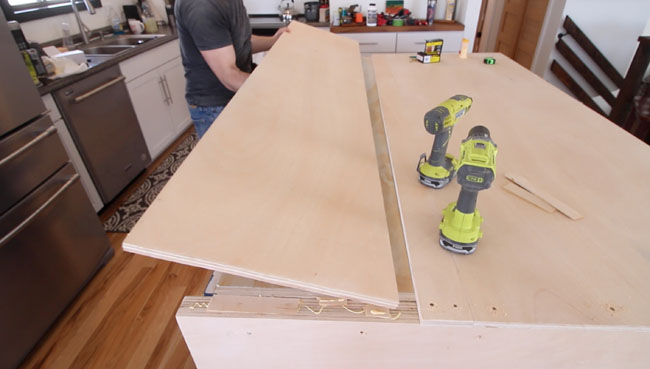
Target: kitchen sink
{"type": "Point", "coordinates": [133, 40]}
{"type": "Point", "coordinates": [106, 50]}
{"type": "Point", "coordinates": [100, 51]}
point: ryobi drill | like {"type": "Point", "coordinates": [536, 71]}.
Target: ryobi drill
{"type": "Point", "coordinates": [438, 170]}
{"type": "Point", "coordinates": [460, 228]}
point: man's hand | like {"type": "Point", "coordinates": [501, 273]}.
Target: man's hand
{"type": "Point", "coordinates": [264, 43]}
{"type": "Point", "coordinates": [222, 62]}
{"type": "Point", "coordinates": [279, 33]}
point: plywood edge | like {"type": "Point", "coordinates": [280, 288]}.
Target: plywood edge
{"type": "Point", "coordinates": [202, 306]}
{"type": "Point", "coordinates": [176, 258]}
{"type": "Point", "coordinates": [371, 67]}
{"type": "Point", "coordinates": [198, 306]}
{"type": "Point", "coordinates": [397, 236]}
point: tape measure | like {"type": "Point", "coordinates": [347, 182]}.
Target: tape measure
{"type": "Point", "coordinates": [489, 60]}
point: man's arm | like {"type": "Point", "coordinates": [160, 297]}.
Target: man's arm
{"type": "Point", "coordinates": [264, 43]}
{"type": "Point", "coordinates": [222, 62]}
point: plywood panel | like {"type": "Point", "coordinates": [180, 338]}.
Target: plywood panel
{"type": "Point", "coordinates": [283, 188]}
{"type": "Point", "coordinates": [531, 267]}
{"type": "Point", "coordinates": [298, 340]}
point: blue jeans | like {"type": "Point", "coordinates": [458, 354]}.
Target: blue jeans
{"type": "Point", "coordinates": [203, 116]}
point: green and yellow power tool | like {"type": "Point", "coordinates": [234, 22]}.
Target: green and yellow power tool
{"type": "Point", "coordinates": [460, 228]}
{"type": "Point", "coordinates": [438, 170]}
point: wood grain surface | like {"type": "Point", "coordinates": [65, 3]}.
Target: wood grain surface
{"type": "Point", "coordinates": [530, 267]}
{"type": "Point", "coordinates": [284, 188]}
{"type": "Point", "coordinates": [531, 198]}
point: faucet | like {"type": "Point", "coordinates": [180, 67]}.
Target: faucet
{"type": "Point", "coordinates": [82, 27]}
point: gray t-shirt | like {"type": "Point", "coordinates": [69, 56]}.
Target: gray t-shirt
{"type": "Point", "coordinates": [207, 25]}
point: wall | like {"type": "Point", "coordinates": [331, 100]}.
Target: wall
{"type": "Point", "coordinates": [548, 36]}
{"type": "Point", "coordinates": [48, 29]}
{"type": "Point", "coordinates": [418, 7]}
{"type": "Point", "coordinates": [467, 11]}
{"type": "Point", "coordinates": [492, 22]}
{"type": "Point", "coordinates": [612, 26]}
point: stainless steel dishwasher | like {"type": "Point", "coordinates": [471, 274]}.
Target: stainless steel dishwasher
{"type": "Point", "coordinates": [103, 124]}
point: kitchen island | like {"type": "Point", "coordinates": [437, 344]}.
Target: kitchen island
{"type": "Point", "coordinates": [542, 290]}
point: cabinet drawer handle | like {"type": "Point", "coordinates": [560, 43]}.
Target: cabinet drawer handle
{"type": "Point", "coordinates": [368, 43]}
{"type": "Point", "coordinates": [28, 145]}
{"type": "Point", "coordinates": [168, 91]}
{"type": "Point", "coordinates": [164, 90]}
{"type": "Point", "coordinates": [419, 43]}
{"type": "Point", "coordinates": [95, 90]}
{"type": "Point", "coordinates": [30, 218]}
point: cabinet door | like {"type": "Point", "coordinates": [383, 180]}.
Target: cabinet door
{"type": "Point", "coordinates": [383, 42]}
{"type": "Point", "coordinates": [412, 42]}
{"type": "Point", "coordinates": [148, 98]}
{"type": "Point", "coordinates": [174, 75]}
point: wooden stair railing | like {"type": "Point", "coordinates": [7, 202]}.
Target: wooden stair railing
{"type": "Point", "coordinates": [623, 111]}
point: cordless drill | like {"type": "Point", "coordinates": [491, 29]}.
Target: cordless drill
{"type": "Point", "coordinates": [438, 170]}
{"type": "Point", "coordinates": [460, 228]}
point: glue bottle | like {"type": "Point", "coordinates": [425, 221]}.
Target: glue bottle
{"type": "Point", "coordinates": [431, 11]}
{"type": "Point", "coordinates": [371, 20]}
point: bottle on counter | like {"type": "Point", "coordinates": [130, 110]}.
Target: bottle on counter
{"type": "Point", "coordinates": [150, 25]}
{"type": "Point", "coordinates": [324, 13]}
{"type": "Point", "coordinates": [116, 22]}
{"type": "Point", "coordinates": [371, 19]}
{"type": "Point", "coordinates": [67, 37]}
{"type": "Point", "coordinates": [431, 11]}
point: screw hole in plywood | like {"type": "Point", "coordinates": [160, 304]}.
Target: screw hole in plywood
{"type": "Point", "coordinates": [361, 333]}
{"type": "Point", "coordinates": [455, 305]}
{"type": "Point", "coordinates": [612, 308]}
{"type": "Point", "coordinates": [494, 308]}
{"type": "Point", "coordinates": [432, 304]}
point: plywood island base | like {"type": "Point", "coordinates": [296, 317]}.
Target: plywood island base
{"type": "Point", "coordinates": [337, 338]}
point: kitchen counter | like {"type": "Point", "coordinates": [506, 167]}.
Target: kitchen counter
{"type": "Point", "coordinates": [436, 26]}
{"type": "Point", "coordinates": [53, 85]}
{"type": "Point", "coordinates": [257, 22]}
{"type": "Point", "coordinates": [273, 21]}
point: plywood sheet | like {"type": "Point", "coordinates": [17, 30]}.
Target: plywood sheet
{"type": "Point", "coordinates": [284, 188]}
{"type": "Point", "coordinates": [531, 267]}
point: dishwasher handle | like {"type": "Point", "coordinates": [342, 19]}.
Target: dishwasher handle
{"type": "Point", "coordinates": [40, 209]}
{"type": "Point", "coordinates": [97, 89]}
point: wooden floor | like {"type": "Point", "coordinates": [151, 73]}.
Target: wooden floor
{"type": "Point", "coordinates": [124, 318]}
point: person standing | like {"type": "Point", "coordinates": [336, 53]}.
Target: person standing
{"type": "Point", "coordinates": [217, 49]}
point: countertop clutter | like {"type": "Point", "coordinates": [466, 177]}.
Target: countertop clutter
{"type": "Point", "coordinates": [168, 34]}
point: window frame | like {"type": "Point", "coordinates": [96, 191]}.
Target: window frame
{"type": "Point", "coordinates": [41, 13]}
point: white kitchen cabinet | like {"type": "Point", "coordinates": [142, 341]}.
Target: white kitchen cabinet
{"type": "Point", "coordinates": [174, 75]}
{"type": "Point", "coordinates": [412, 42]}
{"type": "Point", "coordinates": [156, 84]}
{"type": "Point", "coordinates": [379, 42]}
{"type": "Point", "coordinates": [149, 100]}
{"type": "Point", "coordinates": [73, 153]}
